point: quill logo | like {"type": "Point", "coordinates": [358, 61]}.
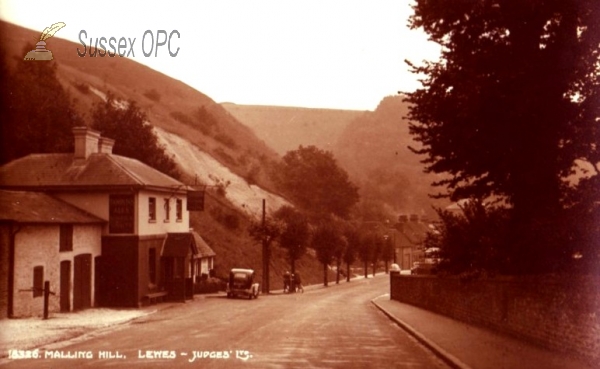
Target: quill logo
{"type": "Point", "coordinates": [40, 52]}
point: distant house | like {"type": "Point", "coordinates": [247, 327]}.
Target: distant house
{"type": "Point", "coordinates": [410, 239]}
{"type": "Point", "coordinates": [46, 239]}
{"type": "Point", "coordinates": [145, 214]}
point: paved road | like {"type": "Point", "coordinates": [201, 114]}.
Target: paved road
{"type": "Point", "coordinates": [335, 327]}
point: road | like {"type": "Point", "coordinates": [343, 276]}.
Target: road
{"type": "Point", "coordinates": [334, 327]}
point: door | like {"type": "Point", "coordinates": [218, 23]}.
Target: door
{"type": "Point", "coordinates": [65, 286]}
{"type": "Point", "coordinates": [82, 282]}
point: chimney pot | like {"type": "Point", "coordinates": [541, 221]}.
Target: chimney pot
{"type": "Point", "coordinates": [105, 145]}
{"type": "Point", "coordinates": [86, 142]}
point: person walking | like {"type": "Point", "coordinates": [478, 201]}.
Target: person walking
{"type": "Point", "coordinates": [287, 278]}
{"type": "Point", "coordinates": [298, 282]}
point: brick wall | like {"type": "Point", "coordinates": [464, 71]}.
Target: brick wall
{"type": "Point", "coordinates": [558, 313]}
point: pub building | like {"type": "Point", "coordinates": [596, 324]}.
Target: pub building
{"type": "Point", "coordinates": [147, 249]}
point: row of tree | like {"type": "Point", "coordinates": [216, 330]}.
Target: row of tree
{"type": "Point", "coordinates": [336, 242]}
{"type": "Point", "coordinates": [325, 201]}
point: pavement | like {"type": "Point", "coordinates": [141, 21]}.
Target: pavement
{"type": "Point", "coordinates": [61, 329]}
{"type": "Point", "coordinates": [464, 346]}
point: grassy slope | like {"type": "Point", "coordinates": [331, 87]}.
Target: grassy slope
{"type": "Point", "coordinates": [375, 145]}
{"type": "Point", "coordinates": [228, 141]}
{"type": "Point", "coordinates": [131, 80]}
{"type": "Point", "coordinates": [285, 128]}
{"type": "Point", "coordinates": [371, 146]}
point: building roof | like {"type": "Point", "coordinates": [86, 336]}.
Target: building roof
{"type": "Point", "coordinates": [100, 170]}
{"type": "Point", "coordinates": [204, 250]}
{"type": "Point", "coordinates": [413, 233]}
{"type": "Point", "coordinates": [180, 244]}
{"type": "Point", "coordinates": [36, 207]}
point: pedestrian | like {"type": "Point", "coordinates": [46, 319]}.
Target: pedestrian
{"type": "Point", "coordinates": [286, 282]}
{"type": "Point", "coordinates": [298, 282]}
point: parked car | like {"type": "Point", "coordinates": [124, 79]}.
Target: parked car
{"type": "Point", "coordinates": [241, 283]}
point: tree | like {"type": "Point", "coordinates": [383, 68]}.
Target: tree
{"type": "Point", "coordinates": [366, 249]}
{"type": "Point", "coordinates": [353, 244]}
{"type": "Point", "coordinates": [377, 249]}
{"type": "Point", "coordinates": [513, 102]}
{"type": "Point", "coordinates": [387, 251]}
{"type": "Point", "coordinates": [265, 232]}
{"type": "Point", "coordinates": [37, 112]}
{"type": "Point", "coordinates": [471, 242]}
{"type": "Point", "coordinates": [294, 234]}
{"type": "Point", "coordinates": [124, 122]}
{"type": "Point", "coordinates": [339, 253]}
{"type": "Point", "coordinates": [314, 181]}
{"type": "Point", "coordinates": [326, 240]}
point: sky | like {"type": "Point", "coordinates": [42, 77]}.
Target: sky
{"type": "Point", "coordinates": [320, 54]}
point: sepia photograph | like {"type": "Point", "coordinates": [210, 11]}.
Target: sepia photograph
{"type": "Point", "coordinates": [300, 184]}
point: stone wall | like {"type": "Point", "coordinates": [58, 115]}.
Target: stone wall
{"type": "Point", "coordinates": [558, 313]}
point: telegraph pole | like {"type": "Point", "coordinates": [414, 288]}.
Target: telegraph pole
{"type": "Point", "coordinates": [265, 251]}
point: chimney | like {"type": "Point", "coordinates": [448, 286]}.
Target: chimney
{"type": "Point", "coordinates": [86, 142]}
{"type": "Point", "coordinates": [105, 145]}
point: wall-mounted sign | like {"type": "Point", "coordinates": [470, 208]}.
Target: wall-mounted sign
{"type": "Point", "coordinates": [121, 212]}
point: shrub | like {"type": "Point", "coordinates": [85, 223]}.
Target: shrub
{"type": "Point", "coordinates": [152, 95]}
{"type": "Point", "coordinates": [82, 87]}
{"type": "Point", "coordinates": [226, 140]}
{"type": "Point", "coordinates": [473, 242]}
{"type": "Point", "coordinates": [209, 285]}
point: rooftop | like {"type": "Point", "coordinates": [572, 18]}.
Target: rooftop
{"type": "Point", "coordinates": [89, 167]}
{"type": "Point", "coordinates": [36, 207]}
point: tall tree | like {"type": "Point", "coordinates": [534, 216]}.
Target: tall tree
{"type": "Point", "coordinates": [128, 125]}
{"type": "Point", "coordinates": [513, 102]}
{"type": "Point", "coordinates": [353, 244]}
{"type": "Point", "coordinates": [366, 249]}
{"type": "Point", "coordinates": [339, 253]}
{"type": "Point", "coordinates": [315, 182]}
{"type": "Point", "coordinates": [326, 240]}
{"type": "Point", "coordinates": [294, 234]}
{"type": "Point", "coordinates": [387, 250]}
{"type": "Point", "coordinates": [265, 232]}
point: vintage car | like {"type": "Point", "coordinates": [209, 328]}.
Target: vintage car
{"type": "Point", "coordinates": [241, 283]}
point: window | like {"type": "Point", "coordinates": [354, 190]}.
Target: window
{"type": "Point", "coordinates": [179, 210]}
{"type": "Point", "coordinates": [152, 209]}
{"type": "Point", "coordinates": [66, 237]}
{"type": "Point", "coordinates": [152, 264]}
{"type": "Point", "coordinates": [38, 281]}
{"type": "Point", "coordinates": [167, 210]}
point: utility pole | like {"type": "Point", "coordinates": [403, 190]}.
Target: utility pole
{"type": "Point", "coordinates": [265, 251]}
